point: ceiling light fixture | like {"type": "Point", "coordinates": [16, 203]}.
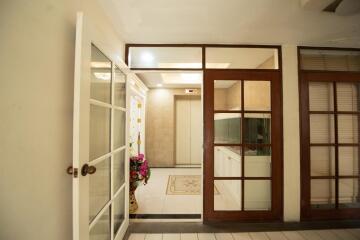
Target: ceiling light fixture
{"type": "Point", "coordinates": [147, 57]}
{"type": "Point", "coordinates": [159, 85]}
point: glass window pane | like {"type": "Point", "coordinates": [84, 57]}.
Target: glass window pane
{"type": "Point", "coordinates": [257, 161]}
{"type": "Point", "coordinates": [102, 228]}
{"type": "Point", "coordinates": [119, 210]}
{"type": "Point", "coordinates": [227, 195]}
{"type": "Point", "coordinates": [100, 86]}
{"type": "Point", "coordinates": [322, 193]}
{"type": "Point", "coordinates": [227, 95]}
{"type": "Point", "coordinates": [119, 128]}
{"type": "Point", "coordinates": [348, 161]}
{"type": "Point", "coordinates": [322, 161]}
{"type": "Point", "coordinates": [348, 96]}
{"type": "Point", "coordinates": [227, 128]}
{"type": "Point", "coordinates": [99, 188]}
{"type": "Point", "coordinates": [349, 193]}
{"type": "Point", "coordinates": [165, 57]}
{"type": "Point", "coordinates": [119, 169]}
{"type": "Point", "coordinates": [119, 88]}
{"type": "Point", "coordinates": [99, 131]}
{"type": "Point", "coordinates": [257, 128]}
{"type": "Point", "coordinates": [242, 58]}
{"type": "Point", "coordinates": [348, 128]}
{"type": "Point", "coordinates": [322, 128]}
{"type": "Point", "coordinates": [227, 161]}
{"type": "Point", "coordinates": [331, 60]}
{"type": "Point", "coordinates": [257, 95]}
{"type": "Point", "coordinates": [321, 96]}
{"type": "Point", "coordinates": [257, 195]}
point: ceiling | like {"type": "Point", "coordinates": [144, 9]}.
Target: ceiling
{"type": "Point", "coordinates": [230, 22]}
{"type": "Point", "coordinates": [171, 79]}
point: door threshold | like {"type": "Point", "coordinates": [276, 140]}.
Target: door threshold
{"type": "Point", "coordinates": [165, 216]}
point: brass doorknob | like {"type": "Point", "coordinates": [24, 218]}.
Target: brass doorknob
{"type": "Point", "coordinates": [86, 169]}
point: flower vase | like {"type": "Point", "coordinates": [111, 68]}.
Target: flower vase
{"type": "Point", "coordinates": [133, 203]}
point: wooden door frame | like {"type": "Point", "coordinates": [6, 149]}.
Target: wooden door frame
{"type": "Point", "coordinates": [307, 213]}
{"type": "Point", "coordinates": [276, 213]}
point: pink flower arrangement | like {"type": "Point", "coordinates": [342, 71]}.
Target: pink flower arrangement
{"type": "Point", "coordinates": [139, 171]}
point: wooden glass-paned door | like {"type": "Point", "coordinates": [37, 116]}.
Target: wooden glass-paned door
{"type": "Point", "coordinates": [243, 145]}
{"type": "Point", "coordinates": [330, 109]}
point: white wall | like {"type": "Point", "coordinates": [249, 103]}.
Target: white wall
{"type": "Point", "coordinates": [291, 134]}
{"type": "Point", "coordinates": [36, 102]}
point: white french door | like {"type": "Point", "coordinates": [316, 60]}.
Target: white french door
{"type": "Point", "coordinates": [100, 153]}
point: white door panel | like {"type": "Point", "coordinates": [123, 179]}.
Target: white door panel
{"type": "Point", "coordinates": [100, 194]}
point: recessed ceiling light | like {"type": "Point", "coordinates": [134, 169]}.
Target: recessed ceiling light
{"type": "Point", "coordinates": [159, 85]}
{"type": "Point", "coordinates": [147, 57]}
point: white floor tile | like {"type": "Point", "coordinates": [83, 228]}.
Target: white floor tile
{"type": "Point", "coordinates": [152, 198]}
{"type": "Point", "coordinates": [344, 234]}
{"type": "Point", "coordinates": [310, 235]}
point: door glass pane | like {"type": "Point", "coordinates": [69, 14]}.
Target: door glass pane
{"type": "Point", "coordinates": [102, 228]}
{"type": "Point", "coordinates": [331, 60]}
{"type": "Point", "coordinates": [119, 88]}
{"type": "Point", "coordinates": [165, 57]}
{"type": "Point", "coordinates": [348, 128]}
{"type": "Point", "coordinates": [349, 193]}
{"type": "Point", "coordinates": [227, 95]}
{"type": "Point", "coordinates": [227, 195]}
{"type": "Point", "coordinates": [348, 161]}
{"type": "Point", "coordinates": [242, 58]}
{"type": "Point", "coordinates": [257, 161]}
{"type": "Point", "coordinates": [99, 131]}
{"type": "Point", "coordinates": [322, 161]}
{"type": "Point", "coordinates": [119, 170]}
{"type": "Point", "coordinates": [257, 195]}
{"type": "Point", "coordinates": [322, 193]}
{"type": "Point", "coordinates": [119, 210]}
{"type": "Point", "coordinates": [321, 96]}
{"type": "Point", "coordinates": [99, 188]}
{"type": "Point", "coordinates": [227, 128]}
{"type": "Point", "coordinates": [100, 87]}
{"type": "Point", "coordinates": [227, 161]}
{"type": "Point", "coordinates": [119, 128]}
{"type": "Point", "coordinates": [322, 128]}
{"type": "Point", "coordinates": [257, 95]}
{"type": "Point", "coordinates": [348, 96]}
{"type": "Point", "coordinates": [257, 128]}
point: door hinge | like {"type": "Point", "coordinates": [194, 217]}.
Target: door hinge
{"type": "Point", "coordinates": [72, 171]}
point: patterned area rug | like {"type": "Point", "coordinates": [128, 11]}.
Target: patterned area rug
{"type": "Point", "coordinates": [185, 185]}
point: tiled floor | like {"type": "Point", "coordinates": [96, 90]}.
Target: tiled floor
{"type": "Point", "coordinates": [152, 198]}
{"type": "Point", "coordinates": [330, 234]}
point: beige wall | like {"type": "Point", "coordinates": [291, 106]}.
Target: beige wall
{"type": "Point", "coordinates": [291, 134]}
{"type": "Point", "coordinates": [160, 126]}
{"type": "Point", "coordinates": [36, 103]}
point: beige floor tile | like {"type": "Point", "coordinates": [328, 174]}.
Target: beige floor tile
{"type": "Point", "coordinates": [241, 236]}
{"type": "Point", "coordinates": [153, 236]}
{"type": "Point", "coordinates": [293, 235]}
{"type": "Point", "coordinates": [137, 236]}
{"type": "Point", "coordinates": [171, 236]}
{"type": "Point", "coordinates": [276, 236]}
{"type": "Point", "coordinates": [188, 236]}
{"type": "Point", "coordinates": [206, 236]}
